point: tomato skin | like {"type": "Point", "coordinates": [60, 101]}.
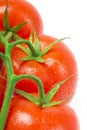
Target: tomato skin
{"type": "Point", "coordinates": [60, 63]}
{"type": "Point", "coordinates": [1, 48]}
{"type": "Point", "coordinates": [25, 115]}
{"type": "Point", "coordinates": [2, 88]}
{"type": "Point", "coordinates": [22, 11]}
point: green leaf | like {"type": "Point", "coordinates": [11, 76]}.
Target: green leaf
{"type": "Point", "coordinates": [51, 45]}
{"type": "Point", "coordinates": [36, 42]}
{"type": "Point", "coordinates": [48, 97]}
{"type": "Point", "coordinates": [27, 96]}
{"type": "Point", "coordinates": [18, 27]}
{"type": "Point", "coordinates": [25, 50]}
{"type": "Point", "coordinates": [53, 103]}
{"type": "Point", "coordinates": [48, 48]}
{"type": "Point", "coordinates": [28, 58]}
{"type": "Point", "coordinates": [31, 38]}
{"type": "Point", "coordinates": [5, 22]}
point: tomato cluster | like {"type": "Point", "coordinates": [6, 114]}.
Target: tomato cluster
{"type": "Point", "coordinates": [44, 57]}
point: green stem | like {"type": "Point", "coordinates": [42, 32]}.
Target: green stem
{"type": "Point", "coordinates": [7, 97]}
{"type": "Point", "coordinates": [10, 82]}
{"type": "Point", "coordinates": [9, 35]}
{"type": "Point", "coordinates": [12, 78]}
{"type": "Point", "coordinates": [33, 50]}
{"type": "Point", "coordinates": [37, 80]}
{"type": "Point", "coordinates": [6, 102]}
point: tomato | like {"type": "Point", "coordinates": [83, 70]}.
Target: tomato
{"type": "Point", "coordinates": [2, 88]}
{"type": "Point", "coordinates": [0, 64]}
{"type": "Point", "coordinates": [25, 115]}
{"type": "Point", "coordinates": [21, 11]}
{"type": "Point", "coordinates": [1, 48]}
{"type": "Point", "coordinates": [60, 64]}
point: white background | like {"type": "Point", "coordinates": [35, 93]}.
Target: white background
{"type": "Point", "coordinates": [63, 18]}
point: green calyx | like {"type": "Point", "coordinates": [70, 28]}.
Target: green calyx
{"type": "Point", "coordinates": [34, 51]}
{"type": "Point", "coordinates": [7, 27]}
{"type": "Point", "coordinates": [45, 100]}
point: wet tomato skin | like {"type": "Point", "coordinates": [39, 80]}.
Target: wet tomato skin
{"type": "Point", "coordinates": [25, 115]}
{"type": "Point", "coordinates": [21, 11]}
{"type": "Point", "coordinates": [60, 64]}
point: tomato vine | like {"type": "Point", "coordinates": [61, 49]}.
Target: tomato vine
{"type": "Point", "coordinates": [12, 80]}
{"type": "Point", "coordinates": [6, 38]}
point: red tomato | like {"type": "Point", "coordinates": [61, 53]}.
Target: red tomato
{"type": "Point", "coordinates": [21, 11]}
{"type": "Point", "coordinates": [1, 48]}
{"type": "Point", "coordinates": [60, 63]}
{"type": "Point", "coordinates": [2, 88]}
{"type": "Point", "coordinates": [25, 115]}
